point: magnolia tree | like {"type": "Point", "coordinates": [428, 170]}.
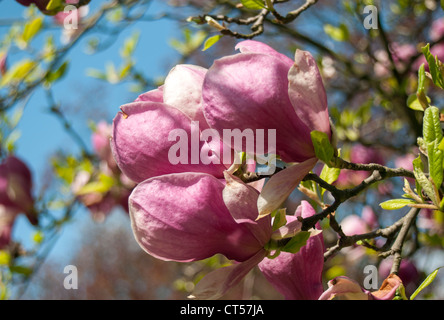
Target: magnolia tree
{"type": "Point", "coordinates": [300, 139]}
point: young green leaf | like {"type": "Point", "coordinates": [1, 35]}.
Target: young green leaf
{"type": "Point", "coordinates": [432, 126]}
{"type": "Point", "coordinates": [433, 137]}
{"type": "Point", "coordinates": [423, 183]}
{"type": "Point", "coordinates": [297, 242]}
{"type": "Point", "coordinates": [425, 283]}
{"type": "Point", "coordinates": [329, 175]}
{"type": "Point", "coordinates": [418, 101]}
{"type": "Point", "coordinates": [337, 33]}
{"type": "Point", "coordinates": [211, 41]}
{"type": "Point", "coordinates": [18, 72]}
{"type": "Point", "coordinates": [253, 4]}
{"type": "Point", "coordinates": [57, 74]}
{"type": "Point", "coordinates": [323, 148]}
{"type": "Point", "coordinates": [395, 204]}
{"type": "Point", "coordinates": [31, 29]}
{"type": "Point", "coordinates": [279, 219]}
{"type": "Point", "coordinates": [434, 66]}
{"type": "Point", "coordinates": [54, 4]}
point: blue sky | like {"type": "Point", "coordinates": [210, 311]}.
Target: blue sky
{"type": "Point", "coordinates": [42, 134]}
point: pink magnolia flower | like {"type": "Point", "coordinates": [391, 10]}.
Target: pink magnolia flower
{"type": "Point", "coordinates": [192, 216]}
{"type": "Point", "coordinates": [298, 276]}
{"type": "Point", "coordinates": [260, 88]}
{"type": "Point", "coordinates": [344, 288]}
{"type": "Point", "coordinates": [71, 20]}
{"type": "Point", "coordinates": [15, 196]}
{"type": "Point", "coordinates": [436, 29]}
{"type": "Point", "coordinates": [359, 154]}
{"type": "Point", "coordinates": [142, 140]}
{"type": "Point", "coordinates": [3, 57]}
{"type": "Point", "coordinates": [114, 186]}
{"type": "Point", "coordinates": [408, 273]}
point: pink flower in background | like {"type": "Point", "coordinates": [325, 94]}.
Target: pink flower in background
{"type": "Point", "coordinates": [407, 272]}
{"type": "Point", "coordinates": [102, 191]}
{"type": "Point", "coordinates": [142, 142]}
{"type": "Point", "coordinates": [15, 196]}
{"type": "Point", "coordinates": [298, 276]}
{"type": "Point", "coordinates": [71, 20]}
{"type": "Point", "coordinates": [354, 224]}
{"type": "Point", "coordinates": [359, 154]}
{"type": "Point", "coordinates": [261, 89]}
{"type": "Point", "coordinates": [3, 57]}
{"type": "Point", "coordinates": [344, 288]}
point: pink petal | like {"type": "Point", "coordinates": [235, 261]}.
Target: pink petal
{"type": "Point", "coordinates": [215, 284]}
{"type": "Point", "coordinates": [183, 90]}
{"type": "Point", "coordinates": [251, 46]}
{"type": "Point", "coordinates": [281, 185]}
{"type": "Point", "coordinates": [298, 276]}
{"type": "Point", "coordinates": [345, 288]}
{"type": "Point", "coordinates": [141, 145]}
{"type": "Point", "coordinates": [241, 201]}
{"type": "Point", "coordinates": [307, 93]}
{"type": "Point", "coordinates": [182, 217]}
{"type": "Point", "coordinates": [16, 187]}
{"type": "Point", "coordinates": [249, 91]}
{"type": "Point", "coordinates": [155, 95]}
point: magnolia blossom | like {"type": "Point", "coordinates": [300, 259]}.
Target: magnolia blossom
{"type": "Point", "coordinates": [354, 224]}
{"type": "Point", "coordinates": [192, 216]}
{"type": "Point", "coordinates": [15, 196]}
{"type": "Point", "coordinates": [260, 88]}
{"type": "Point", "coordinates": [408, 273]}
{"type": "Point", "coordinates": [344, 288]}
{"type": "Point", "coordinates": [115, 186]}
{"type": "Point", "coordinates": [71, 20]}
{"type": "Point", "coordinates": [3, 67]}
{"type": "Point", "coordinates": [298, 276]}
{"type": "Point", "coordinates": [359, 154]}
{"type": "Point", "coordinates": [142, 139]}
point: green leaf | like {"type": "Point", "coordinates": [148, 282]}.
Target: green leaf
{"type": "Point", "coordinates": [434, 67]}
{"type": "Point", "coordinates": [395, 204]}
{"type": "Point", "coordinates": [102, 185]}
{"type": "Point", "coordinates": [26, 271]}
{"type": "Point", "coordinates": [297, 242]}
{"type": "Point", "coordinates": [54, 4]}
{"type": "Point", "coordinates": [442, 4]}
{"type": "Point", "coordinates": [17, 72]}
{"type": "Point", "coordinates": [323, 148]}
{"type": "Point", "coordinates": [330, 175]}
{"type": "Point", "coordinates": [31, 29]}
{"type": "Point", "coordinates": [211, 41]}
{"type": "Point", "coordinates": [425, 283]}
{"type": "Point", "coordinates": [422, 99]}
{"type": "Point", "coordinates": [5, 258]}
{"type": "Point", "coordinates": [253, 4]}
{"type": "Point", "coordinates": [432, 126]}
{"type": "Point", "coordinates": [129, 45]}
{"type": "Point", "coordinates": [423, 183]}
{"type": "Point", "coordinates": [433, 137]}
{"type": "Point", "coordinates": [279, 218]}
{"type": "Point", "coordinates": [435, 160]}
{"type": "Point", "coordinates": [337, 33]}
{"type": "Point", "coordinates": [416, 102]}
{"type": "Point", "coordinates": [38, 237]}
{"type": "Point", "coordinates": [57, 74]}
